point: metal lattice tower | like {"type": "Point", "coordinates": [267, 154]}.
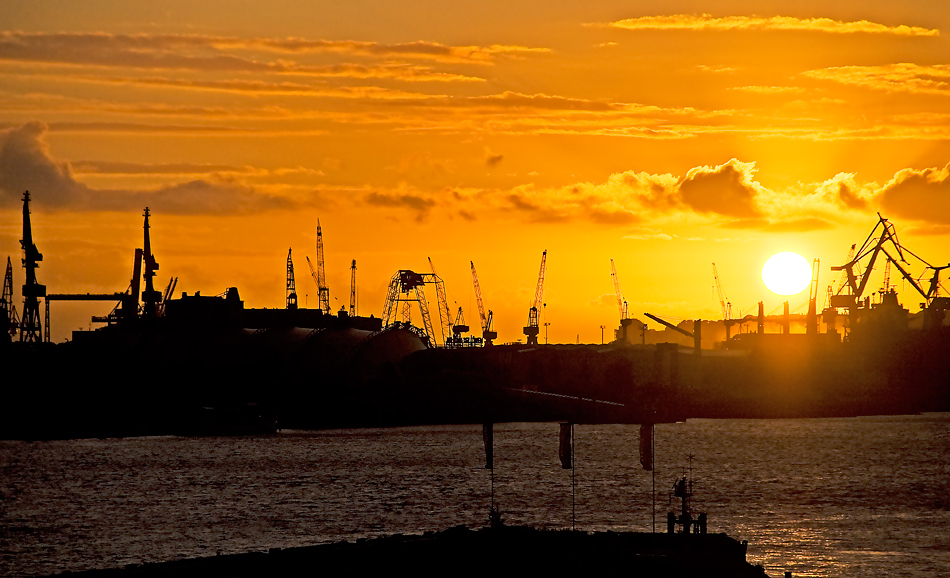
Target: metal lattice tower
{"type": "Point", "coordinates": [352, 289]}
{"type": "Point", "coordinates": [30, 326]}
{"type": "Point", "coordinates": [9, 324]}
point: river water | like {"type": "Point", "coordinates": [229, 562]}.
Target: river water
{"type": "Point", "coordinates": [865, 496]}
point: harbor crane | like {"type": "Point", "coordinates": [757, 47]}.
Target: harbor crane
{"type": "Point", "coordinates": [30, 326]}
{"type": "Point", "coordinates": [625, 320]}
{"type": "Point", "coordinates": [291, 284]}
{"type": "Point", "coordinates": [323, 292]}
{"type": "Point", "coordinates": [724, 304]}
{"type": "Point", "coordinates": [487, 334]}
{"type": "Point", "coordinates": [532, 329]}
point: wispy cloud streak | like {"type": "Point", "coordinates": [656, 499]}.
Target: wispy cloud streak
{"type": "Point", "coordinates": [707, 22]}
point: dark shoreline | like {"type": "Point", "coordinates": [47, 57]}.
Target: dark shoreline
{"type": "Point", "coordinates": [463, 551]}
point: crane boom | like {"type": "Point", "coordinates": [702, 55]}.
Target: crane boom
{"type": "Point", "coordinates": [724, 303]}
{"type": "Point", "coordinates": [488, 336]}
{"type": "Point", "coordinates": [478, 297]}
{"type": "Point", "coordinates": [621, 304]}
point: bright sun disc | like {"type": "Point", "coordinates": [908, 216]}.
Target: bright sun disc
{"type": "Point", "coordinates": [786, 273]}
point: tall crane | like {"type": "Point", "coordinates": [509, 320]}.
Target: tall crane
{"type": "Point", "coordinates": [724, 304]}
{"type": "Point", "coordinates": [30, 326]}
{"type": "Point", "coordinates": [625, 320]}
{"type": "Point", "coordinates": [322, 290]}
{"type": "Point", "coordinates": [291, 285]}
{"type": "Point", "coordinates": [531, 330]}
{"type": "Point", "coordinates": [488, 336]}
{"type": "Point", "coordinates": [353, 289]}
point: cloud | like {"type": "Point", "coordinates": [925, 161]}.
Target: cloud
{"type": "Point", "coordinates": [707, 22]}
{"type": "Point", "coordinates": [923, 195]}
{"type": "Point", "coordinates": [195, 51]}
{"type": "Point", "coordinates": [405, 201]}
{"type": "Point", "coordinates": [849, 198]}
{"type": "Point", "coordinates": [26, 164]}
{"type": "Point", "coordinates": [491, 159]}
{"type": "Point", "coordinates": [902, 77]}
{"type": "Point", "coordinates": [727, 189]}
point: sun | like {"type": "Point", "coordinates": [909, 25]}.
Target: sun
{"type": "Point", "coordinates": [786, 273]}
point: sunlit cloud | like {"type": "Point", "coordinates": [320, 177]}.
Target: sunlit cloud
{"type": "Point", "coordinates": [706, 22]}
{"type": "Point", "coordinates": [166, 50]}
{"type": "Point", "coordinates": [923, 195]}
{"type": "Point", "coordinates": [768, 89]}
{"type": "Point", "coordinates": [26, 164]}
{"type": "Point", "coordinates": [903, 77]}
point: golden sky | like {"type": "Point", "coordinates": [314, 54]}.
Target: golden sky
{"type": "Point", "coordinates": [663, 135]}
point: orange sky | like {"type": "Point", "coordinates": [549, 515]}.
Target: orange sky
{"type": "Point", "coordinates": [664, 135]}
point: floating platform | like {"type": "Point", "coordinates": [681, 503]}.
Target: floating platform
{"type": "Point", "coordinates": [462, 551]}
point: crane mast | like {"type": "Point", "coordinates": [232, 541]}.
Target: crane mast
{"type": "Point", "coordinates": [488, 336]}
{"type": "Point", "coordinates": [150, 297]}
{"type": "Point", "coordinates": [322, 290]}
{"type": "Point", "coordinates": [353, 289]}
{"type": "Point", "coordinates": [291, 285]}
{"type": "Point", "coordinates": [531, 330]}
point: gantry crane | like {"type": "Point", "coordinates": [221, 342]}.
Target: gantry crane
{"type": "Point", "coordinates": [531, 330]}
{"type": "Point", "coordinates": [625, 320]}
{"type": "Point", "coordinates": [724, 304]}
{"type": "Point", "coordinates": [291, 284]}
{"type": "Point", "coordinates": [407, 287]}
{"type": "Point", "coordinates": [487, 334]}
